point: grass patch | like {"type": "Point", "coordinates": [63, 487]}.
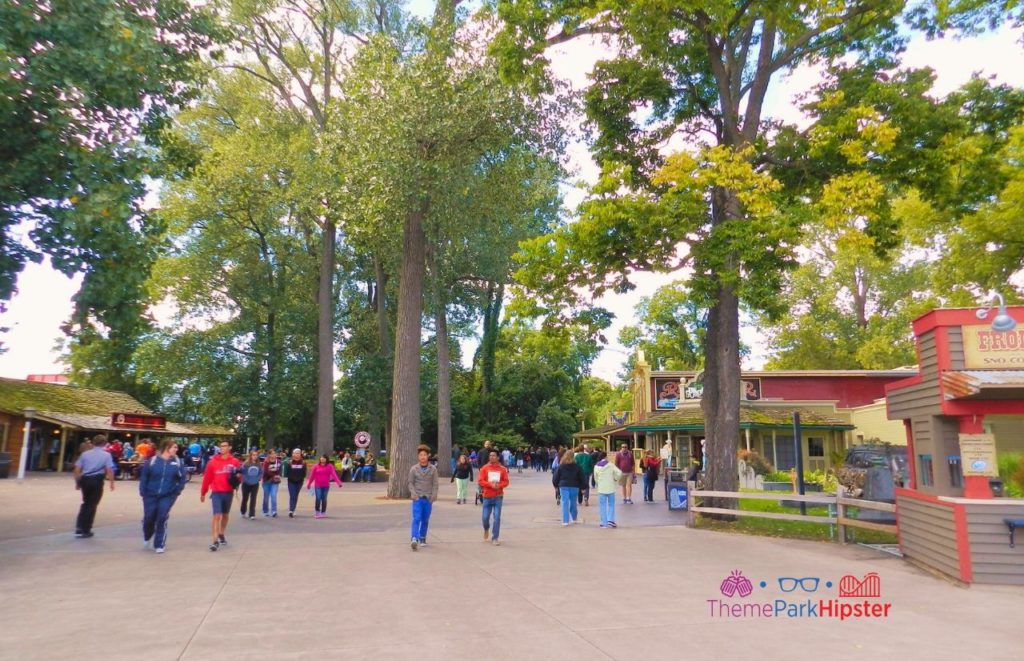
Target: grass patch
{"type": "Point", "coordinates": [819, 532]}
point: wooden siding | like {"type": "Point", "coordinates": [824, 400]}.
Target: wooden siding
{"type": "Point", "coordinates": [956, 347]}
{"type": "Point", "coordinates": [919, 399]}
{"type": "Point", "coordinates": [928, 534]}
{"type": "Point", "coordinates": [929, 357]}
{"type": "Point", "coordinates": [992, 559]}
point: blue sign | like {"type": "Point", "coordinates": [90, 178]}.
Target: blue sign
{"type": "Point", "coordinates": [677, 497]}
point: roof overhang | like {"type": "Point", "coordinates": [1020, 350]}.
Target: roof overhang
{"type": "Point", "coordinates": [102, 423]}
{"type": "Point", "coordinates": [983, 384]}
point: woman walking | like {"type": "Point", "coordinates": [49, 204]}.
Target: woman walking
{"type": "Point", "coordinates": [320, 478]}
{"type": "Point", "coordinates": [271, 482]}
{"type": "Point", "coordinates": [607, 476]}
{"type": "Point", "coordinates": [650, 465]}
{"type": "Point", "coordinates": [161, 480]}
{"type": "Point", "coordinates": [295, 470]}
{"type": "Point", "coordinates": [462, 476]}
{"type": "Point", "coordinates": [568, 478]}
{"type": "Point", "coordinates": [252, 475]}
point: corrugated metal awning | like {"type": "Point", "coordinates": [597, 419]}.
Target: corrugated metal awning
{"type": "Point", "coordinates": [983, 384]}
{"type": "Point", "coordinates": [102, 423]}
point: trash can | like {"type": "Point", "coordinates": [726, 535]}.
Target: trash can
{"type": "Point", "coordinates": [675, 489]}
{"type": "Point", "coordinates": [5, 465]}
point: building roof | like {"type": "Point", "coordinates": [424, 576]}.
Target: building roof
{"type": "Point", "coordinates": [751, 417]}
{"type": "Point", "coordinates": [17, 395]}
{"type": "Point", "coordinates": [983, 384]}
{"type": "Point", "coordinates": [600, 432]}
{"type": "Point", "coordinates": [893, 373]}
{"type": "Point", "coordinates": [87, 408]}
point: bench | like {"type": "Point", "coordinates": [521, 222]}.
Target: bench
{"type": "Point", "coordinates": [1012, 524]}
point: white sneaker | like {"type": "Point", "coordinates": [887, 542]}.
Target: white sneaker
{"type": "Point", "coordinates": [147, 543]}
{"type": "Point", "coordinates": [415, 544]}
{"type": "Point", "coordinates": [160, 549]}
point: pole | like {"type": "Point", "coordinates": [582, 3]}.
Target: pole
{"type": "Point", "coordinates": [799, 461]}
{"type": "Point", "coordinates": [23, 461]}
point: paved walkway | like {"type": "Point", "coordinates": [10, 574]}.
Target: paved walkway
{"type": "Point", "coordinates": [349, 587]}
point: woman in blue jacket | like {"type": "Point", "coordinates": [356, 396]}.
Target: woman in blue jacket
{"type": "Point", "coordinates": [161, 479]}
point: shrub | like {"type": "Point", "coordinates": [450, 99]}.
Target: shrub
{"type": "Point", "coordinates": [778, 476]}
{"type": "Point", "coordinates": [1011, 472]}
{"type": "Point", "coordinates": [759, 464]}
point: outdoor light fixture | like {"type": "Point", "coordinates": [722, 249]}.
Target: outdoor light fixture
{"type": "Point", "coordinates": [1003, 321]}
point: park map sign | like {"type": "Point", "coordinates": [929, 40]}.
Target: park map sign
{"type": "Point", "coordinates": [985, 348]}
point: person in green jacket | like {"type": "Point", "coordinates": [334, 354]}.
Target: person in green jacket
{"type": "Point", "coordinates": [586, 464]}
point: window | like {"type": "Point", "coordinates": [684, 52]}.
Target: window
{"type": "Point", "coordinates": [956, 476]}
{"type": "Point", "coordinates": [926, 473]}
{"type": "Point", "coordinates": [785, 455]}
{"type": "Point", "coordinates": [815, 447]}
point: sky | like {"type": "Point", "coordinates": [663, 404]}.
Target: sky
{"type": "Point", "coordinates": [43, 301]}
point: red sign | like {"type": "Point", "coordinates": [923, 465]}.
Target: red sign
{"type": "Point", "coordinates": [146, 420]}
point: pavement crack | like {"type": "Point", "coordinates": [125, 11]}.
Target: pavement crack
{"type": "Point", "coordinates": [213, 603]}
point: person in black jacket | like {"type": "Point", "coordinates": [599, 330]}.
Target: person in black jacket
{"type": "Point", "coordinates": [295, 471]}
{"type": "Point", "coordinates": [568, 479]}
{"type": "Point", "coordinates": [464, 474]}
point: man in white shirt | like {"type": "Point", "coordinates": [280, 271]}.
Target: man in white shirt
{"type": "Point", "coordinates": [666, 454]}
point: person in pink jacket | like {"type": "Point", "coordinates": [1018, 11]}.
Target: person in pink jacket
{"type": "Point", "coordinates": [320, 478]}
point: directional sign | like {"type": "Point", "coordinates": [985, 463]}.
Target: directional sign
{"type": "Point", "coordinates": [362, 439]}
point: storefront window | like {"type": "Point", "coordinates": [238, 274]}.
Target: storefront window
{"type": "Point", "coordinates": [785, 455]}
{"type": "Point", "coordinates": [956, 477]}
{"type": "Point", "coordinates": [815, 447]}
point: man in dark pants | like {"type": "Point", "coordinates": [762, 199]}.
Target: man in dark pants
{"type": "Point", "coordinates": [92, 467]}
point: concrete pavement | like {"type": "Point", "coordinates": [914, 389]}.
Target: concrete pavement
{"type": "Point", "coordinates": [349, 586]}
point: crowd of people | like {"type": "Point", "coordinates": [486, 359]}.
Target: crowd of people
{"type": "Point", "coordinates": [165, 468]}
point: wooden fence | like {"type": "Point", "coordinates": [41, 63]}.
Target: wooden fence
{"type": "Point", "coordinates": [837, 504]}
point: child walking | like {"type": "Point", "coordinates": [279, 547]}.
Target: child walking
{"type": "Point", "coordinates": [321, 476]}
{"type": "Point", "coordinates": [423, 492]}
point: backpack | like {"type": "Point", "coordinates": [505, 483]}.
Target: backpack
{"type": "Point", "coordinates": [234, 478]}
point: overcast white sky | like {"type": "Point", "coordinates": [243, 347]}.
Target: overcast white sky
{"type": "Point", "coordinates": [43, 301]}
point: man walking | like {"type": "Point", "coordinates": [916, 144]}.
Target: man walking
{"type": "Point", "coordinates": [493, 480]}
{"type": "Point", "coordinates": [93, 466]}
{"type": "Point", "coordinates": [625, 463]}
{"type": "Point", "coordinates": [586, 464]}
{"type": "Point", "coordinates": [218, 479]}
{"type": "Point", "coordinates": [423, 492]}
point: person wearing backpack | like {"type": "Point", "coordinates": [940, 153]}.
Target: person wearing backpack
{"type": "Point", "coordinates": [568, 478]}
{"type": "Point", "coordinates": [295, 472]}
{"type": "Point", "coordinates": [161, 481]}
{"type": "Point", "coordinates": [220, 479]}
{"type": "Point", "coordinates": [252, 474]}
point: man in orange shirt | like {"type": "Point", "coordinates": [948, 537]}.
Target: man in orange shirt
{"type": "Point", "coordinates": [493, 480]}
{"type": "Point", "coordinates": [144, 449]}
{"type": "Point", "coordinates": [217, 480]}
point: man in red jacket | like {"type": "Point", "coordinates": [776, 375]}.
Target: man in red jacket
{"type": "Point", "coordinates": [493, 480]}
{"type": "Point", "coordinates": [217, 479]}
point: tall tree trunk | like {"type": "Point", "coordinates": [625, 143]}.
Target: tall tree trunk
{"type": "Point", "coordinates": [379, 439]}
{"type": "Point", "coordinates": [721, 400]}
{"type": "Point", "coordinates": [489, 346]}
{"type": "Point", "coordinates": [273, 364]}
{"type": "Point", "coordinates": [323, 427]}
{"type": "Point", "coordinates": [405, 421]}
{"type": "Point", "coordinates": [444, 385]}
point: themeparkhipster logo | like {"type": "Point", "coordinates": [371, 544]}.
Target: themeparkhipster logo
{"type": "Point", "coordinates": [801, 597]}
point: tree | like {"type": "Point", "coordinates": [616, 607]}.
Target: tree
{"type": "Point", "coordinates": [670, 329]}
{"type": "Point", "coordinates": [702, 69]}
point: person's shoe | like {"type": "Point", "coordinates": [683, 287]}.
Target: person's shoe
{"type": "Point", "coordinates": [611, 524]}
{"type": "Point", "coordinates": [266, 514]}
{"type": "Point", "coordinates": [160, 550]}
{"type": "Point", "coordinates": [565, 524]}
{"type": "Point", "coordinates": [415, 545]}
{"type": "Point", "coordinates": [274, 515]}
{"type": "Point", "coordinates": [223, 542]}
{"type": "Point", "coordinates": [147, 543]}
{"type": "Point", "coordinates": [84, 535]}
{"type": "Point", "coordinates": [602, 526]}
{"type": "Point", "coordinates": [252, 516]}
{"type": "Point", "coordinates": [487, 534]}
{"type": "Point", "coordinates": [291, 515]}
{"type": "Point", "coordinates": [496, 542]}
{"type": "Point", "coordinates": [214, 546]}
{"type": "Point", "coordinates": [243, 513]}
{"type": "Point", "coordinates": [423, 542]}
{"type": "Point", "coordinates": [586, 502]}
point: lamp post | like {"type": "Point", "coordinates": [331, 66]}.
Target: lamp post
{"type": "Point", "coordinates": [23, 461]}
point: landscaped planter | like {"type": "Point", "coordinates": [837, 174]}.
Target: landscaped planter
{"type": "Point", "coordinates": [778, 486]}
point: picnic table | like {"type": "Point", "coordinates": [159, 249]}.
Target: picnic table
{"type": "Point", "coordinates": [128, 470]}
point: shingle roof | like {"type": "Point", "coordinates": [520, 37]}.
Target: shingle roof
{"type": "Point", "coordinates": [87, 408]}
{"type": "Point", "coordinates": [751, 417]}
{"type": "Point", "coordinates": [17, 395]}
{"type": "Point", "coordinates": [599, 432]}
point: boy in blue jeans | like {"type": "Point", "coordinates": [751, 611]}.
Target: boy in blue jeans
{"type": "Point", "coordinates": [423, 492]}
